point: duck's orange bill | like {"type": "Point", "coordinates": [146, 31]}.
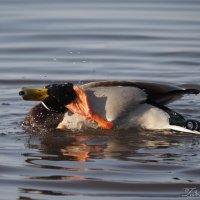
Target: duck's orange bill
{"type": "Point", "coordinates": [81, 106]}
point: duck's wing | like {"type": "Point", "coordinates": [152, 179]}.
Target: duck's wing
{"type": "Point", "coordinates": [114, 102]}
{"type": "Point", "coordinates": [156, 92]}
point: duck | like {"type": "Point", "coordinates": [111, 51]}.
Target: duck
{"type": "Point", "coordinates": [108, 105]}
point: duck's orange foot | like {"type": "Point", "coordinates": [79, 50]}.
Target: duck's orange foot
{"type": "Point", "coordinates": [81, 106]}
{"type": "Point", "coordinates": [103, 123]}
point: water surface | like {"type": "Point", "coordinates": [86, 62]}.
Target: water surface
{"type": "Point", "coordinates": [45, 41]}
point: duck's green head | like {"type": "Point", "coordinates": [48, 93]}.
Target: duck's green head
{"type": "Point", "coordinates": [55, 97]}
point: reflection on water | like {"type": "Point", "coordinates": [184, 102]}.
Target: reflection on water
{"type": "Point", "coordinates": [134, 145]}
{"type": "Point", "coordinates": [69, 164]}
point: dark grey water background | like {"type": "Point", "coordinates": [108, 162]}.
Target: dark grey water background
{"type": "Point", "coordinates": [44, 41]}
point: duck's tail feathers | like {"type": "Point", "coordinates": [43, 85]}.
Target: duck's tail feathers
{"type": "Point", "coordinates": [182, 129]}
{"type": "Point", "coordinates": [171, 96]}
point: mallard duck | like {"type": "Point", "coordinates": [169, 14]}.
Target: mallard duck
{"type": "Point", "coordinates": [108, 105]}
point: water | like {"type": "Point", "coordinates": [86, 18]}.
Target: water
{"type": "Point", "coordinates": [45, 41]}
